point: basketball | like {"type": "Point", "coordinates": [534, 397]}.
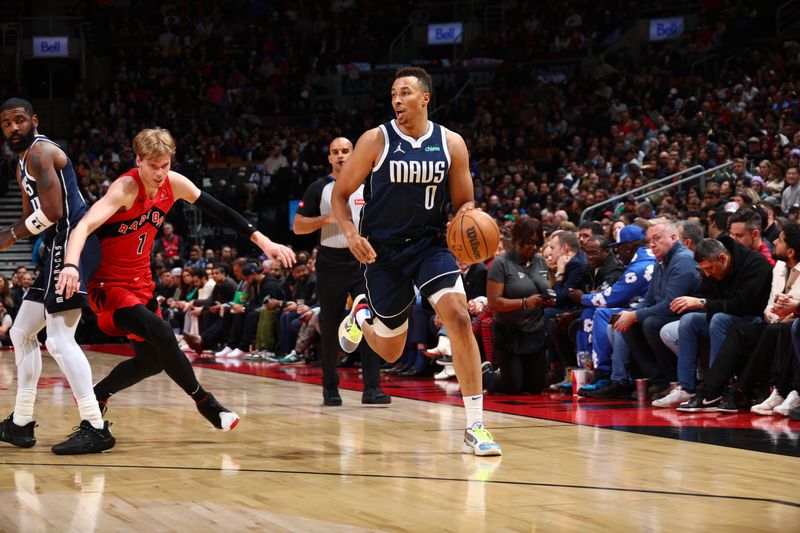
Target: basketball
{"type": "Point", "coordinates": [473, 236]}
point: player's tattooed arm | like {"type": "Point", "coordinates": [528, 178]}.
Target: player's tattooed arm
{"type": "Point", "coordinates": [18, 229]}
{"type": "Point", "coordinates": [46, 208]}
{"type": "Point", "coordinates": [26, 202]}
{"type": "Point", "coordinates": [42, 166]}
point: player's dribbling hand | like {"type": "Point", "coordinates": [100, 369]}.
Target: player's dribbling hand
{"type": "Point", "coordinates": [361, 248]}
{"type": "Point", "coordinates": [467, 206]}
{"type": "Point", "coordinates": [68, 282]}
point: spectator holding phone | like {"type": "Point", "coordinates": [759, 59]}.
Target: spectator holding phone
{"type": "Point", "coordinates": [517, 290]}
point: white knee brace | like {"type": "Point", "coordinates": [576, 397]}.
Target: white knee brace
{"type": "Point", "coordinates": [24, 344]}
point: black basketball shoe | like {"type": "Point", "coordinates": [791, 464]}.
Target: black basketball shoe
{"type": "Point", "coordinates": [86, 439]}
{"type": "Point", "coordinates": [219, 417]}
{"type": "Point", "coordinates": [20, 436]}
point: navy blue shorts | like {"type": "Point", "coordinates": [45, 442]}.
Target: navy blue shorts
{"type": "Point", "coordinates": [43, 289]}
{"type": "Point", "coordinates": [425, 263]}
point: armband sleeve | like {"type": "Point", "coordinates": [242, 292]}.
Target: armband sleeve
{"type": "Point", "coordinates": [37, 222]}
{"type": "Point", "coordinates": [225, 214]}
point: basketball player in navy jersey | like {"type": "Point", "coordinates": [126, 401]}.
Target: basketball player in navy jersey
{"type": "Point", "coordinates": [413, 168]}
{"type": "Point", "coordinates": [52, 205]}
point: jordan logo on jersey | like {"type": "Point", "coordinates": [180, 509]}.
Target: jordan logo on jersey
{"type": "Point", "coordinates": [399, 149]}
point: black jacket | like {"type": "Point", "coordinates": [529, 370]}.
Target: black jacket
{"type": "Point", "coordinates": [475, 281]}
{"type": "Point", "coordinates": [301, 289]}
{"type": "Point", "coordinates": [605, 276]}
{"type": "Point", "coordinates": [222, 293]}
{"type": "Point", "coordinates": [746, 289]}
{"type": "Point", "coordinates": [573, 275]}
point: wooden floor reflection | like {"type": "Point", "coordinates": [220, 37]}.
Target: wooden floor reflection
{"type": "Point", "coordinates": [294, 465]}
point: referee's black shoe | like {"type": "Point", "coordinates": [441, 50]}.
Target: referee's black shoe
{"type": "Point", "coordinates": [330, 396]}
{"type": "Point", "coordinates": [86, 439]}
{"type": "Point", "coordinates": [375, 396]}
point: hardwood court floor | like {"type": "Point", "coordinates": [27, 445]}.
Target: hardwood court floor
{"type": "Point", "coordinates": [294, 465]}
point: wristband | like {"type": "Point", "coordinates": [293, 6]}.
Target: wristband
{"type": "Point", "coordinates": [14, 234]}
{"type": "Point", "coordinates": [65, 265]}
{"type": "Point", "coordinates": [37, 222]}
{"type": "Point", "coordinates": [524, 304]}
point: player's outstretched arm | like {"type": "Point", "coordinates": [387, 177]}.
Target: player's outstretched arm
{"type": "Point", "coordinates": [366, 153]}
{"type": "Point", "coordinates": [121, 194]}
{"type": "Point", "coordinates": [462, 193]}
{"type": "Point", "coordinates": [184, 189]}
{"type": "Point", "coordinates": [43, 160]}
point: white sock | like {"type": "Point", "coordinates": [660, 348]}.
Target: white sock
{"type": "Point", "coordinates": [362, 315]}
{"type": "Point", "coordinates": [474, 408]}
{"type": "Point", "coordinates": [23, 410]}
{"type": "Point", "coordinates": [90, 411]}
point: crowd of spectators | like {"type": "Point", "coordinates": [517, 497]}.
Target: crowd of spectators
{"type": "Point", "coordinates": [239, 95]}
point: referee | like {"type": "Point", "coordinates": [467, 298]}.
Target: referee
{"type": "Point", "coordinates": [338, 274]}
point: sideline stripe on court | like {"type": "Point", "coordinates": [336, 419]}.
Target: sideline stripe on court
{"type": "Point", "coordinates": [422, 478]}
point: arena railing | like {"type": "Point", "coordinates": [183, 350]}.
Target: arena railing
{"type": "Point", "coordinates": [787, 20]}
{"type": "Point", "coordinates": [647, 190]}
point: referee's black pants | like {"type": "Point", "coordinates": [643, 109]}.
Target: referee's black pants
{"type": "Point", "coordinates": [335, 280]}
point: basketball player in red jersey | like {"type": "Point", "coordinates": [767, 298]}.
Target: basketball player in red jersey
{"type": "Point", "coordinates": [126, 221]}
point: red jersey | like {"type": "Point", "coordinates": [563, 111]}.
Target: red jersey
{"type": "Point", "coordinates": [170, 246]}
{"type": "Point", "coordinates": [126, 239]}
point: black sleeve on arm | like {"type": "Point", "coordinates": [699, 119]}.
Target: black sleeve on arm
{"type": "Point", "coordinates": [224, 214]}
{"type": "Point", "coordinates": [312, 199]}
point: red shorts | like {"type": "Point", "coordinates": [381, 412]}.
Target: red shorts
{"type": "Point", "coordinates": [106, 298]}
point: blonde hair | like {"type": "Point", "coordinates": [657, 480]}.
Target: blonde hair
{"type": "Point", "coordinates": [668, 224]}
{"type": "Point", "coordinates": [153, 143]}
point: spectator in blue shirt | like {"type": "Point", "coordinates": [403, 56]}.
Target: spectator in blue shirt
{"type": "Point", "coordinates": [675, 275]}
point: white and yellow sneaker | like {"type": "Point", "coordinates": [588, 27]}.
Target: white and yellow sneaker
{"type": "Point", "coordinates": [350, 334]}
{"type": "Point", "coordinates": [478, 441]}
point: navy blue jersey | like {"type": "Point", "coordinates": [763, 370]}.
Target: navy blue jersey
{"type": "Point", "coordinates": [74, 206]}
{"type": "Point", "coordinates": [55, 238]}
{"type": "Point", "coordinates": [408, 189]}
